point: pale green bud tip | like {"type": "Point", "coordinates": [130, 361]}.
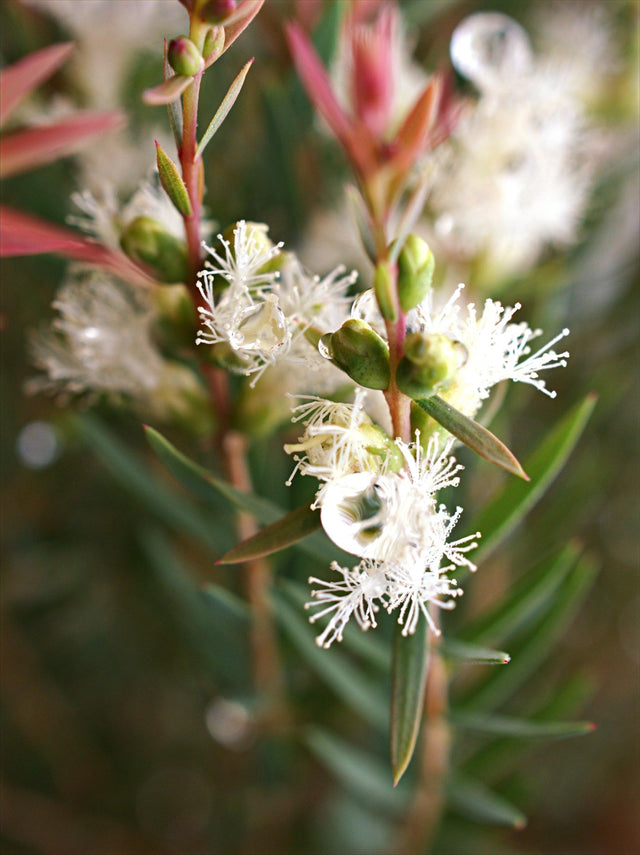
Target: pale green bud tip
{"type": "Point", "coordinates": [384, 287]}
{"type": "Point", "coordinates": [415, 272]}
{"type": "Point", "coordinates": [146, 241]}
{"type": "Point", "coordinates": [184, 57]}
{"type": "Point", "coordinates": [359, 352]}
{"type": "Point", "coordinates": [213, 43]}
{"type": "Point", "coordinates": [429, 364]}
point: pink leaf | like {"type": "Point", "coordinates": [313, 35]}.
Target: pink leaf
{"type": "Point", "coordinates": [355, 138]}
{"type": "Point", "coordinates": [22, 234]}
{"type": "Point", "coordinates": [167, 91]}
{"type": "Point", "coordinates": [19, 79]}
{"type": "Point", "coordinates": [413, 137]}
{"type": "Point", "coordinates": [36, 146]}
{"type": "Point", "coordinates": [240, 20]}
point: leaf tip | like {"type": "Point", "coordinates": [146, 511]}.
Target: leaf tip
{"type": "Point", "coordinates": [520, 823]}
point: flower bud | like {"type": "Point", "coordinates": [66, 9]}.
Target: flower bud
{"type": "Point", "coordinates": [428, 365]}
{"type": "Point", "coordinates": [359, 352]}
{"type": "Point", "coordinates": [415, 272]}
{"type": "Point", "coordinates": [213, 44]}
{"type": "Point", "coordinates": [184, 57]}
{"type": "Point", "coordinates": [216, 11]}
{"type": "Point", "coordinates": [146, 241]}
{"type": "Point", "coordinates": [384, 287]}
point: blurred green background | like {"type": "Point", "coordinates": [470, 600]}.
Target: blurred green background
{"type": "Point", "coordinates": [125, 717]}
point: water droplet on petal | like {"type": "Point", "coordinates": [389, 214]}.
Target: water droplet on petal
{"type": "Point", "coordinates": [489, 49]}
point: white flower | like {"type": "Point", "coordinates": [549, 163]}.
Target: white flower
{"type": "Point", "coordinates": [495, 348]}
{"type": "Point", "coordinates": [264, 312]}
{"type": "Point", "coordinates": [101, 343]}
{"type": "Point", "coordinates": [356, 594]}
{"type": "Point", "coordinates": [339, 439]}
{"type": "Point", "coordinates": [516, 175]}
{"type": "Point", "coordinates": [105, 217]}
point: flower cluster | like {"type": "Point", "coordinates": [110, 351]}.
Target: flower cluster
{"type": "Point", "coordinates": [259, 302]}
{"type": "Point", "coordinates": [378, 494]}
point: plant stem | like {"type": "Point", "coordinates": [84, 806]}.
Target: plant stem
{"type": "Point", "coordinates": [266, 660]}
{"type": "Point", "coordinates": [191, 168]}
{"type": "Point", "coordinates": [423, 817]}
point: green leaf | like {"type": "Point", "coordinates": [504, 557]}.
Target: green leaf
{"type": "Point", "coordinates": [478, 438]}
{"type": "Point", "coordinates": [223, 110]}
{"type": "Point", "coordinates": [522, 728]}
{"type": "Point", "coordinates": [453, 648]}
{"type": "Point", "coordinates": [285, 532]}
{"type": "Point", "coordinates": [535, 646]}
{"type": "Point", "coordinates": [167, 91]}
{"type": "Point", "coordinates": [174, 107]}
{"type": "Point", "coordinates": [208, 625]}
{"type": "Point", "coordinates": [331, 665]}
{"type": "Point", "coordinates": [213, 490]}
{"type": "Point", "coordinates": [358, 771]}
{"type": "Point", "coordinates": [475, 801]}
{"type": "Point", "coordinates": [129, 471]}
{"type": "Point", "coordinates": [172, 182]}
{"type": "Point", "coordinates": [498, 518]}
{"type": "Point", "coordinates": [409, 667]}
{"type": "Point", "coordinates": [526, 599]}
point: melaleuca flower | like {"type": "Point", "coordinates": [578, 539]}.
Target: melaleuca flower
{"type": "Point", "coordinates": [259, 301]}
{"type": "Point", "coordinates": [105, 217]}
{"type": "Point", "coordinates": [101, 343]}
{"type": "Point", "coordinates": [491, 346]}
{"type": "Point", "coordinates": [339, 439]}
{"type": "Point", "coordinates": [516, 175]}
{"type": "Point", "coordinates": [494, 348]}
{"type": "Point", "coordinates": [388, 516]}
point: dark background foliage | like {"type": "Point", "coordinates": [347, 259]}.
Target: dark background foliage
{"type": "Point", "coordinates": [126, 710]}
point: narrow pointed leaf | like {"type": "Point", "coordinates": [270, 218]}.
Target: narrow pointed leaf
{"type": "Point", "coordinates": [43, 144]}
{"type": "Point", "coordinates": [167, 91]}
{"type": "Point", "coordinates": [409, 668]}
{"type": "Point", "coordinates": [475, 801]}
{"type": "Point", "coordinates": [332, 666]}
{"type": "Point", "coordinates": [498, 518]}
{"type": "Point", "coordinates": [174, 107]}
{"type": "Point", "coordinates": [218, 494]}
{"type": "Point", "coordinates": [526, 600]}
{"type": "Point", "coordinates": [358, 771]}
{"type": "Point", "coordinates": [21, 78]}
{"type": "Point", "coordinates": [531, 651]}
{"type": "Point", "coordinates": [478, 438]}
{"type": "Point", "coordinates": [172, 182]}
{"type": "Point", "coordinates": [131, 472]}
{"type": "Point", "coordinates": [223, 110]}
{"type": "Point", "coordinates": [285, 532]}
{"type": "Point", "coordinates": [22, 234]}
{"type": "Point", "coordinates": [452, 648]}
{"type": "Point", "coordinates": [497, 725]}
{"type": "Point", "coordinates": [237, 23]}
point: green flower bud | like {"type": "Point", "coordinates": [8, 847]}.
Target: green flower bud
{"type": "Point", "coordinates": [184, 57]}
{"type": "Point", "coordinates": [213, 44]}
{"type": "Point", "coordinates": [177, 319]}
{"type": "Point", "coordinates": [429, 364]}
{"type": "Point", "coordinates": [380, 444]}
{"type": "Point", "coordinates": [384, 287]}
{"type": "Point", "coordinates": [415, 272]}
{"type": "Point", "coordinates": [146, 241]}
{"type": "Point", "coordinates": [359, 352]}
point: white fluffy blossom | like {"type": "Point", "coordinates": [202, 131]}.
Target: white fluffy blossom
{"type": "Point", "coordinates": [516, 175]}
{"type": "Point", "coordinates": [268, 303]}
{"type": "Point", "coordinates": [391, 520]}
{"type": "Point", "coordinates": [105, 217]}
{"type": "Point", "coordinates": [101, 342]}
{"type": "Point", "coordinates": [495, 348]}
